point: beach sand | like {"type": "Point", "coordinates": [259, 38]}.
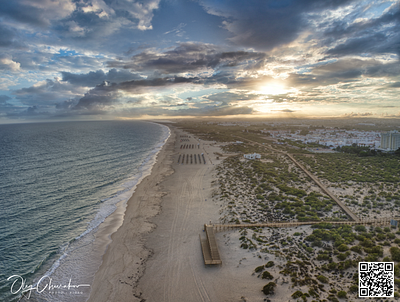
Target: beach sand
{"type": "Point", "coordinates": [156, 254]}
{"type": "Point", "coordinates": [123, 263]}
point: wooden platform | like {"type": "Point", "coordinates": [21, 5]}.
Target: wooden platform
{"type": "Point", "coordinates": [209, 246]}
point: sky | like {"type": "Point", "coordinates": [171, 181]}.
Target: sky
{"type": "Point", "coordinates": [127, 59]}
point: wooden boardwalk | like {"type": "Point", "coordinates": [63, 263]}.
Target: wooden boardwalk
{"type": "Point", "coordinates": [314, 178]}
{"type": "Point", "coordinates": [375, 222]}
{"type": "Point", "coordinates": [209, 246]}
{"type": "Point", "coordinates": [325, 189]}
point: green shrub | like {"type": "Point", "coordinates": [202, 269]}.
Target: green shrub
{"type": "Point", "coordinates": [342, 248]}
{"type": "Point", "coordinates": [356, 249]}
{"type": "Point", "coordinates": [341, 294]}
{"type": "Point", "coordinates": [353, 288]}
{"type": "Point", "coordinates": [395, 252]}
{"type": "Point", "coordinates": [270, 264]}
{"type": "Point", "coordinates": [259, 268]}
{"type": "Point", "coordinates": [360, 228]}
{"type": "Point", "coordinates": [323, 279]}
{"type": "Point", "coordinates": [297, 294]}
{"type": "Point", "coordinates": [322, 257]}
{"type": "Point", "coordinates": [269, 289]}
{"type": "Point", "coordinates": [267, 275]}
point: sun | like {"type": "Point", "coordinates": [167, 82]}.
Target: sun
{"type": "Point", "coordinates": [273, 89]}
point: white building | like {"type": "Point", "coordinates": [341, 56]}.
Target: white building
{"type": "Point", "coordinates": [252, 156]}
{"type": "Point", "coordinates": [390, 140]}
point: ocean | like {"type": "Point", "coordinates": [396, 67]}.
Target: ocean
{"type": "Point", "coordinates": [58, 183]}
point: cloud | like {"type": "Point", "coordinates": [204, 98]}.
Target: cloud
{"type": "Point", "coordinates": [212, 110]}
{"type": "Point", "coordinates": [9, 37]}
{"type": "Point", "coordinates": [344, 70]}
{"type": "Point", "coordinates": [38, 13]}
{"type": "Point", "coordinates": [284, 110]}
{"type": "Point", "coordinates": [65, 105]}
{"type": "Point", "coordinates": [107, 94]}
{"type": "Point", "coordinates": [4, 99]}
{"type": "Point", "coordinates": [357, 114]}
{"type": "Point", "coordinates": [370, 36]}
{"type": "Point", "coordinates": [188, 57]}
{"type": "Point", "coordinates": [394, 85]}
{"type": "Point", "coordinates": [94, 78]}
{"type": "Point", "coordinates": [387, 115]}
{"type": "Point", "coordinates": [139, 10]}
{"type": "Point", "coordinates": [267, 24]}
{"type": "Point", "coordinates": [178, 31]}
{"type": "Point", "coordinates": [47, 93]}
{"type": "Point", "coordinates": [7, 63]}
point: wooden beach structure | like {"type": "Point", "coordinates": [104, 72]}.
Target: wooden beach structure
{"type": "Point", "coordinates": [209, 246]}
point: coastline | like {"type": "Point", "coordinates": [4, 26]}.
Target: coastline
{"type": "Point", "coordinates": [123, 262]}
{"type": "Point", "coordinates": [156, 255]}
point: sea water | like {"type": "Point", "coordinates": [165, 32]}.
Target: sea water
{"type": "Point", "coordinates": [58, 184]}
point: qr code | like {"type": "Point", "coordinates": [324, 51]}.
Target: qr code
{"type": "Point", "coordinates": [376, 279]}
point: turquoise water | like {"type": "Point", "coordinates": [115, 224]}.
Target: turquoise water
{"type": "Point", "coordinates": [58, 182]}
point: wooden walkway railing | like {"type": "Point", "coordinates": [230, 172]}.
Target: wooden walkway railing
{"type": "Point", "coordinates": [375, 222]}
{"type": "Point", "coordinates": [325, 189]}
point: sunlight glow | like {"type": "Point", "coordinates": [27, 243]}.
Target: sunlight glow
{"type": "Point", "coordinates": [273, 89]}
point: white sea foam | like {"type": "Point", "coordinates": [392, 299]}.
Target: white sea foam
{"type": "Point", "coordinates": [108, 206]}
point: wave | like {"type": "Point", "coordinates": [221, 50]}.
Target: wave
{"type": "Point", "coordinates": [109, 205]}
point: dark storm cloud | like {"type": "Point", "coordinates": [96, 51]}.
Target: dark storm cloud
{"type": "Point", "coordinates": [373, 36]}
{"type": "Point", "coordinates": [345, 70]}
{"type": "Point", "coordinates": [95, 101]}
{"type": "Point", "coordinates": [264, 24]}
{"type": "Point", "coordinates": [37, 13]}
{"type": "Point", "coordinates": [94, 78]}
{"type": "Point", "coordinates": [107, 93]}
{"type": "Point", "coordinates": [188, 57]}
{"type": "Point", "coordinates": [8, 37]}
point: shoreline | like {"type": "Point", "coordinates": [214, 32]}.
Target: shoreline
{"type": "Point", "coordinates": [123, 262]}
{"type": "Point", "coordinates": [98, 235]}
{"type": "Point", "coordinates": [156, 254]}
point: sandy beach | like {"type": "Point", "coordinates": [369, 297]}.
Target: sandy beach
{"type": "Point", "coordinates": [156, 255]}
{"type": "Point", "coordinates": [123, 262]}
